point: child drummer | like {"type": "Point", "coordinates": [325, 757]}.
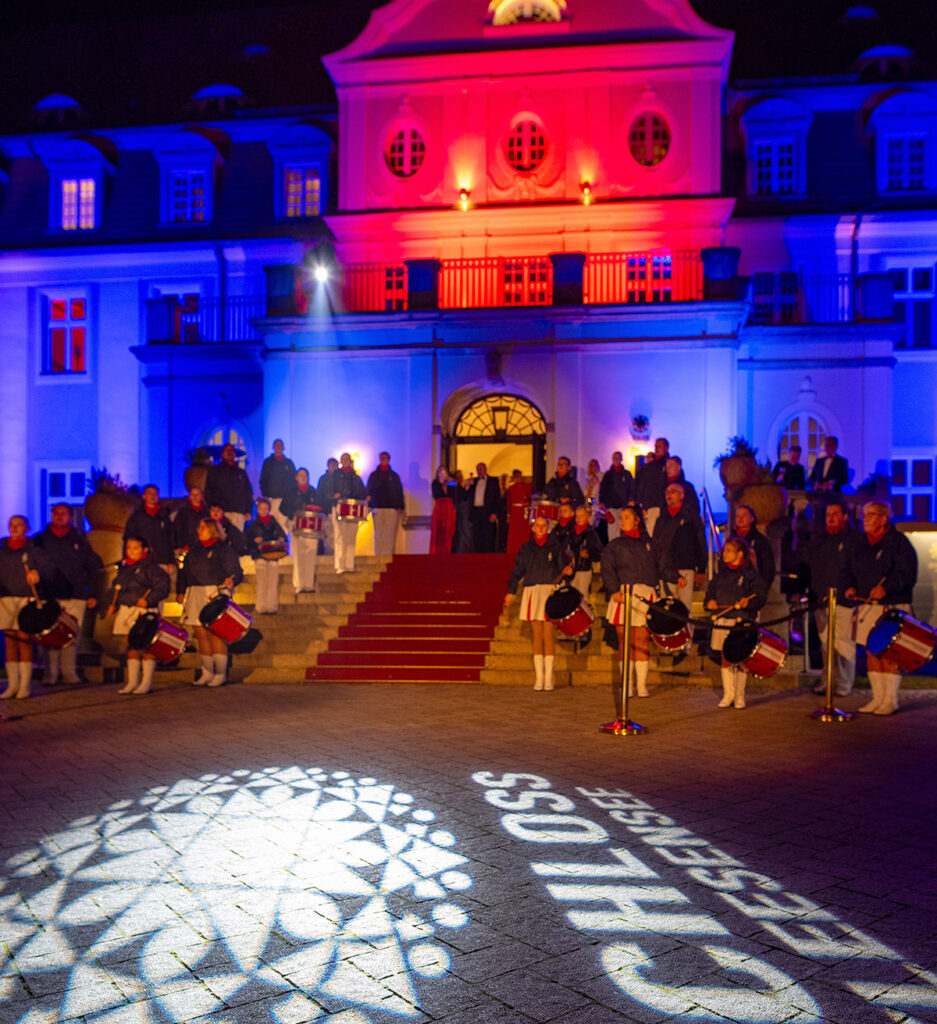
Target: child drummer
{"type": "Point", "coordinates": [735, 593]}
{"type": "Point", "coordinates": [139, 588]}
{"type": "Point", "coordinates": [209, 566]}
{"type": "Point", "coordinates": [21, 564]}
{"type": "Point", "coordinates": [262, 534]}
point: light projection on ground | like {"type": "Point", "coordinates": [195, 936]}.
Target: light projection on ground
{"type": "Point", "coordinates": [302, 892]}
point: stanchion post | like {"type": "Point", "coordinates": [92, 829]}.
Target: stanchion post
{"type": "Point", "coordinates": [624, 726]}
{"type": "Point", "coordinates": [829, 713]}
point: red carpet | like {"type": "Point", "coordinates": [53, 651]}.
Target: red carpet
{"type": "Point", "coordinates": [429, 619]}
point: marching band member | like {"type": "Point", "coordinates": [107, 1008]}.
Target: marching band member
{"type": "Point", "coordinates": [188, 516]}
{"type": "Point", "coordinates": [564, 486]}
{"type": "Point", "coordinates": [385, 494]}
{"type": "Point", "coordinates": [153, 523]}
{"type": "Point", "coordinates": [76, 567]}
{"type": "Point", "coordinates": [227, 485]}
{"type": "Point", "coordinates": [651, 482]}
{"type": "Point", "coordinates": [745, 527]}
{"type": "Point", "coordinates": [631, 558]}
{"type": "Point", "coordinates": [325, 489]}
{"type": "Point", "coordinates": [678, 538]}
{"type": "Point", "coordinates": [615, 491]}
{"type": "Point", "coordinates": [209, 566]}
{"type": "Point", "coordinates": [264, 529]}
{"type": "Point", "coordinates": [139, 587]}
{"type": "Point", "coordinates": [517, 499]}
{"type": "Point", "coordinates": [276, 481]}
{"type": "Point", "coordinates": [442, 525]}
{"type": "Point", "coordinates": [673, 474]}
{"type": "Point", "coordinates": [228, 532]}
{"type": "Point", "coordinates": [881, 574]}
{"type": "Point", "coordinates": [21, 564]}
{"type": "Point", "coordinates": [348, 487]}
{"type": "Point", "coordinates": [304, 547]}
{"type": "Point", "coordinates": [740, 590]}
{"type": "Point", "coordinates": [539, 563]}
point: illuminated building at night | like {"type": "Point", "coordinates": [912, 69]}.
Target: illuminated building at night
{"type": "Point", "coordinates": [543, 228]}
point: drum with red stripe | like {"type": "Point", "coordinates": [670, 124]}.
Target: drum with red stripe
{"type": "Point", "coordinates": [48, 623]}
{"type": "Point", "coordinates": [755, 649]}
{"type": "Point", "coordinates": [667, 622]}
{"type": "Point", "coordinates": [225, 619]}
{"type": "Point", "coordinates": [351, 510]}
{"type": "Point", "coordinates": [569, 611]}
{"type": "Point", "coordinates": [157, 637]}
{"type": "Point", "coordinates": [900, 639]}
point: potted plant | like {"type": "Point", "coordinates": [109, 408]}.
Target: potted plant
{"type": "Point", "coordinates": [107, 508]}
{"type": "Point", "coordinates": [737, 465]}
{"type": "Point", "coordinates": [764, 495]}
{"type": "Point", "coordinates": [199, 460]}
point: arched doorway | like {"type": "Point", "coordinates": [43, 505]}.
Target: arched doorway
{"type": "Point", "coordinates": [504, 431]}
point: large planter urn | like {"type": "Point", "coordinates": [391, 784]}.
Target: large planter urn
{"type": "Point", "coordinates": [109, 510]}
{"type": "Point", "coordinates": [768, 501]}
{"type": "Point", "coordinates": [196, 476]}
{"type": "Point", "coordinates": [737, 471]}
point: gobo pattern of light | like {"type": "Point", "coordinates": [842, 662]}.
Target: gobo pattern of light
{"type": "Point", "coordinates": [320, 893]}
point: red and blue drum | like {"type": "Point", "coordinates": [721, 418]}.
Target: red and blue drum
{"type": "Point", "coordinates": [543, 508]}
{"type": "Point", "coordinates": [157, 637]}
{"type": "Point", "coordinates": [569, 611]}
{"type": "Point", "coordinates": [757, 650]}
{"type": "Point", "coordinates": [351, 510]}
{"type": "Point", "coordinates": [668, 624]}
{"type": "Point", "coordinates": [48, 623]}
{"type": "Point", "coordinates": [271, 550]}
{"type": "Point", "coordinates": [310, 523]}
{"type": "Point", "coordinates": [225, 619]}
{"type": "Point", "coordinates": [896, 637]}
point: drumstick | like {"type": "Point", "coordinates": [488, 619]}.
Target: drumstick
{"type": "Point", "coordinates": [870, 600]}
{"type": "Point", "coordinates": [32, 586]}
{"type": "Point", "coordinates": [112, 607]}
{"type": "Point", "coordinates": [729, 607]}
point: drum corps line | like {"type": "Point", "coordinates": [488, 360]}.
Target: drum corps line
{"type": "Point", "coordinates": [872, 573]}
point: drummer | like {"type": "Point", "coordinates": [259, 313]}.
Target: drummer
{"type": "Point", "coordinates": [21, 564]}
{"type": "Point", "coordinates": [76, 567]}
{"type": "Point", "coordinates": [735, 594]}
{"type": "Point", "coordinates": [139, 587]}
{"type": "Point", "coordinates": [631, 558]}
{"type": "Point", "coordinates": [348, 486]}
{"type": "Point", "coordinates": [563, 486]}
{"type": "Point", "coordinates": [209, 566]}
{"type": "Point", "coordinates": [303, 544]}
{"type": "Point", "coordinates": [263, 532]}
{"type": "Point", "coordinates": [880, 574]}
{"type": "Point", "coordinates": [583, 547]}
{"type": "Point", "coordinates": [540, 563]}
{"type": "Point", "coordinates": [679, 540]}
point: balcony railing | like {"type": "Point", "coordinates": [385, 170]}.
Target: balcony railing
{"type": "Point", "coordinates": [194, 319]}
{"type": "Point", "coordinates": [793, 298]}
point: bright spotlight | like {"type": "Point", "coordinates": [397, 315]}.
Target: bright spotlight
{"type": "Point", "coordinates": [321, 274]}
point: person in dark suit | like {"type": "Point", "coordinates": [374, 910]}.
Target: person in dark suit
{"type": "Point", "coordinates": [832, 471]}
{"type": "Point", "coordinates": [484, 497]}
{"type": "Point", "coordinates": [790, 474]}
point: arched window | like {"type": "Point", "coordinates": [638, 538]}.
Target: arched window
{"type": "Point", "coordinates": [515, 12]}
{"type": "Point", "coordinates": [216, 439]}
{"type": "Point", "coordinates": [527, 145]}
{"type": "Point", "coordinates": [406, 152]}
{"type": "Point", "coordinates": [649, 139]}
{"type": "Point", "coordinates": [500, 416]}
{"type": "Point", "coordinates": [807, 431]}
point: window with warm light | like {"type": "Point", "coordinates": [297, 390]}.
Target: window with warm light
{"type": "Point", "coordinates": [405, 153]}
{"type": "Point", "coordinates": [649, 139]}
{"type": "Point", "coordinates": [302, 192]}
{"type": "Point", "coordinates": [187, 196]}
{"type": "Point", "coordinates": [66, 332]}
{"type": "Point", "coordinates": [527, 145]}
{"type": "Point", "coordinates": [807, 431]}
{"type": "Point", "coordinates": [515, 12]}
{"type": "Point", "coordinates": [77, 204]}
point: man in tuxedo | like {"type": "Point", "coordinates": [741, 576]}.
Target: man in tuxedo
{"type": "Point", "coordinates": [484, 497]}
{"type": "Point", "coordinates": [832, 471]}
{"type": "Point", "coordinates": [790, 474]}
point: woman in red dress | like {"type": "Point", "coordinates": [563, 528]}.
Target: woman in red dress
{"type": "Point", "coordinates": [517, 497]}
{"type": "Point", "coordinates": [442, 525]}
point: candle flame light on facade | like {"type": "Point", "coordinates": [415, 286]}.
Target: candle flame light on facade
{"type": "Point", "coordinates": [464, 194]}
{"type": "Point", "coordinates": [586, 188]}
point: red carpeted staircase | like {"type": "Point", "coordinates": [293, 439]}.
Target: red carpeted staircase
{"type": "Point", "coordinates": [429, 619]}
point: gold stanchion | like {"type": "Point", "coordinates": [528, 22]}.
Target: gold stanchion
{"type": "Point", "coordinates": [829, 713]}
{"type": "Point", "coordinates": [624, 726]}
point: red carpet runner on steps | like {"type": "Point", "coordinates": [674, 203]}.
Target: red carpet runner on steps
{"type": "Point", "coordinates": [429, 619]}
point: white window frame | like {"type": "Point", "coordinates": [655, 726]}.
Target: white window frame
{"type": "Point", "coordinates": [305, 172]}
{"type": "Point", "coordinates": [44, 299]}
{"type": "Point", "coordinates": [40, 513]}
{"type": "Point", "coordinates": [299, 147]}
{"type": "Point", "coordinates": [909, 490]}
{"type": "Point", "coordinates": [78, 161]}
{"type": "Point", "coordinates": [188, 153]}
{"type": "Point", "coordinates": [902, 117]}
{"type": "Point", "coordinates": [772, 123]}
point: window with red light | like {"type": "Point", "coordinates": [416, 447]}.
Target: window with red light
{"type": "Point", "coordinates": [649, 139]}
{"type": "Point", "coordinates": [405, 152]}
{"type": "Point", "coordinates": [66, 335]}
{"type": "Point", "coordinates": [527, 145]}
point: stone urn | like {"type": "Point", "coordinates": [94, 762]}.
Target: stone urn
{"type": "Point", "coordinates": [109, 510]}
{"type": "Point", "coordinates": [196, 476]}
{"type": "Point", "coordinates": [737, 471]}
{"type": "Point", "coordinates": [768, 501]}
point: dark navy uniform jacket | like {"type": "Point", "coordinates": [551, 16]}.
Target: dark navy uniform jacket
{"type": "Point", "coordinates": [536, 563]}
{"type": "Point", "coordinates": [634, 560]}
{"type": "Point", "coordinates": [731, 585]}
{"type": "Point", "coordinates": [891, 562]}
{"type": "Point", "coordinates": [157, 531]}
{"type": "Point", "coordinates": [135, 580]}
{"type": "Point", "coordinates": [209, 566]}
{"type": "Point", "coordinates": [75, 564]}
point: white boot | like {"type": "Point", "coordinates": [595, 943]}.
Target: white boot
{"type": "Point", "coordinates": [538, 671]}
{"type": "Point", "coordinates": [640, 677]}
{"type": "Point", "coordinates": [631, 677]}
{"type": "Point", "coordinates": [875, 684]}
{"type": "Point", "coordinates": [13, 680]}
{"type": "Point", "coordinates": [26, 678]}
{"type": "Point", "coordinates": [69, 656]}
{"type": "Point", "coordinates": [220, 675]}
{"type": "Point", "coordinates": [891, 684]}
{"type": "Point", "coordinates": [133, 676]}
{"type": "Point", "coordinates": [208, 670]}
{"type": "Point", "coordinates": [53, 659]}
{"type": "Point", "coordinates": [548, 671]}
{"type": "Point", "coordinates": [728, 687]}
{"type": "Point", "coordinates": [741, 678]}
{"type": "Point", "coordinates": [149, 667]}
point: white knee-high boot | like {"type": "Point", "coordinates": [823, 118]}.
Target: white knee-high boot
{"type": "Point", "coordinates": [728, 686]}
{"type": "Point", "coordinates": [220, 675]}
{"type": "Point", "coordinates": [133, 676]}
{"type": "Point", "coordinates": [891, 684]}
{"type": "Point", "coordinates": [875, 685]}
{"type": "Point", "coordinates": [538, 671]}
{"type": "Point", "coordinates": [741, 678]}
{"type": "Point", "coordinates": [53, 659]}
{"type": "Point", "coordinates": [548, 671]}
{"type": "Point", "coordinates": [146, 672]}
{"type": "Point", "coordinates": [69, 657]}
{"type": "Point", "coordinates": [13, 680]}
{"type": "Point", "coordinates": [208, 670]}
{"type": "Point", "coordinates": [26, 678]}
{"type": "Point", "coordinates": [640, 677]}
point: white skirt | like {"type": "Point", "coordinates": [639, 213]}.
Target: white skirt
{"type": "Point", "coordinates": [720, 632]}
{"type": "Point", "coordinates": [866, 615]}
{"type": "Point", "coordinates": [616, 609]}
{"type": "Point", "coordinates": [195, 600]}
{"type": "Point", "coordinates": [534, 602]}
{"type": "Point", "coordinates": [10, 610]}
{"type": "Point", "coordinates": [127, 615]}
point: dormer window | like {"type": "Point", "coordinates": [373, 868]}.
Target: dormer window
{"type": "Point", "coordinates": [905, 131]}
{"type": "Point", "coordinates": [300, 152]}
{"type": "Point", "coordinates": [406, 152]}
{"type": "Point", "coordinates": [189, 166]}
{"type": "Point", "coordinates": [78, 211]}
{"type": "Point", "coordinates": [78, 168]}
{"type": "Point", "coordinates": [775, 133]}
{"type": "Point", "coordinates": [527, 145]}
{"type": "Point", "coordinates": [302, 190]}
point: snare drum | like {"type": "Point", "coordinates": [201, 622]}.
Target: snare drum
{"type": "Point", "coordinates": [757, 650]}
{"type": "Point", "coordinates": [351, 510]}
{"type": "Point", "coordinates": [273, 549]}
{"type": "Point", "coordinates": [898, 638]}
{"type": "Point", "coordinates": [48, 623]}
{"type": "Point", "coordinates": [545, 509]}
{"type": "Point", "coordinates": [569, 611]}
{"type": "Point", "coordinates": [225, 619]}
{"type": "Point", "coordinates": [667, 622]}
{"type": "Point", "coordinates": [310, 523]}
{"type": "Point", "coordinates": [157, 637]}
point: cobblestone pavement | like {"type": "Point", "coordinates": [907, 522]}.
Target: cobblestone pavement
{"type": "Point", "coordinates": [377, 854]}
